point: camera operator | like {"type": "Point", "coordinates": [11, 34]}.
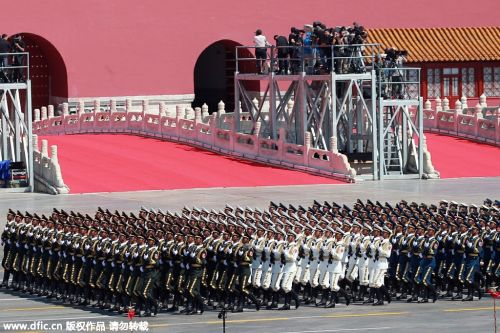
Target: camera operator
{"type": "Point", "coordinates": [325, 43]}
{"type": "Point", "coordinates": [18, 45]}
{"type": "Point", "coordinates": [283, 51]}
{"type": "Point", "coordinates": [393, 63]}
{"type": "Point", "coordinates": [308, 50]}
{"type": "Point", "coordinates": [295, 41]}
{"type": "Point", "coordinates": [4, 49]}
{"type": "Point", "coordinates": [261, 45]}
{"type": "Point", "coordinates": [356, 38]}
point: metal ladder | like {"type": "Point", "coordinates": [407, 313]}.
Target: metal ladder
{"type": "Point", "coordinates": [393, 161]}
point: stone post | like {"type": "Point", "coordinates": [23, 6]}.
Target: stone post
{"type": "Point", "coordinates": [65, 109]}
{"type": "Point", "coordinates": [204, 111]}
{"type": "Point", "coordinates": [458, 107]}
{"type": "Point", "coordinates": [482, 101]}
{"type": "Point", "coordinates": [197, 115]}
{"type": "Point", "coordinates": [189, 113]}
{"type": "Point", "coordinates": [464, 102]}
{"type": "Point", "coordinates": [163, 109]}
{"type": "Point", "coordinates": [53, 156]}
{"type": "Point", "coordinates": [44, 113]}
{"type": "Point", "coordinates": [81, 106]}
{"type": "Point", "coordinates": [427, 105]}
{"type": "Point", "coordinates": [37, 114]}
{"type": "Point", "coordinates": [478, 109]}
{"type": "Point", "coordinates": [178, 112]}
{"type": "Point", "coordinates": [97, 105]}
{"type": "Point", "coordinates": [35, 142]}
{"type": "Point", "coordinates": [128, 105]}
{"type": "Point", "coordinates": [257, 128]}
{"type": "Point", "coordinates": [45, 148]}
{"type": "Point", "coordinates": [112, 105]}
{"type": "Point", "coordinates": [51, 111]}
{"type": "Point", "coordinates": [221, 108]}
{"type": "Point", "coordinates": [333, 144]}
{"type": "Point", "coordinates": [145, 106]}
{"type": "Point", "coordinates": [446, 104]}
{"type": "Point", "coordinates": [438, 105]}
{"type": "Point", "coordinates": [307, 141]}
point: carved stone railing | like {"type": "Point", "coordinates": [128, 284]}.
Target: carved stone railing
{"type": "Point", "coordinates": [481, 123]}
{"type": "Point", "coordinates": [195, 127]}
{"type": "Point", "coordinates": [48, 177]}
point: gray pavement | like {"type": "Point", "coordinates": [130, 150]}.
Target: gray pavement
{"type": "Point", "coordinates": [443, 316]}
{"type": "Point", "coordinates": [469, 190]}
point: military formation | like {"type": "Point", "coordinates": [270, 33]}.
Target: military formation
{"type": "Point", "coordinates": [281, 257]}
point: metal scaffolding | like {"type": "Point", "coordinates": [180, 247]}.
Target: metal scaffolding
{"type": "Point", "coordinates": [349, 103]}
{"type": "Point", "coordinates": [16, 138]}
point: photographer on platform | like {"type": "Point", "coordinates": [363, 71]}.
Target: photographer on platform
{"type": "Point", "coordinates": [393, 63]}
{"type": "Point", "coordinates": [18, 46]}
{"type": "Point", "coordinates": [283, 52]}
{"type": "Point", "coordinates": [4, 49]}
{"type": "Point", "coordinates": [295, 41]}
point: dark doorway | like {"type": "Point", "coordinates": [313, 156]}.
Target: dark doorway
{"type": "Point", "coordinates": [214, 75]}
{"type": "Point", "coordinates": [49, 80]}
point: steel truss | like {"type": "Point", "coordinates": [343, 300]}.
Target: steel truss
{"type": "Point", "coordinates": [379, 131]}
{"type": "Point", "coordinates": [16, 138]}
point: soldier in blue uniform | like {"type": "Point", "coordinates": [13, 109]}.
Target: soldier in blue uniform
{"type": "Point", "coordinates": [427, 265]}
{"type": "Point", "coordinates": [473, 248]}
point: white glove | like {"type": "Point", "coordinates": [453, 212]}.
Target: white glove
{"type": "Point", "coordinates": [17, 244]}
{"type": "Point", "coordinates": [146, 257]}
{"type": "Point", "coordinates": [50, 252]}
{"type": "Point", "coordinates": [420, 255]}
{"type": "Point", "coordinates": [210, 248]}
{"type": "Point", "coordinates": [94, 262]}
{"type": "Point", "coordinates": [393, 241]}
{"type": "Point", "coordinates": [415, 243]}
{"type": "Point", "coordinates": [182, 265]}
{"type": "Point", "coordinates": [171, 263]}
{"type": "Point", "coordinates": [409, 255]}
{"type": "Point", "coordinates": [65, 255]}
{"type": "Point", "coordinates": [142, 269]}
{"type": "Point", "coordinates": [469, 244]}
{"type": "Point", "coordinates": [426, 244]}
{"type": "Point", "coordinates": [25, 246]}
{"type": "Point", "coordinates": [193, 255]}
{"type": "Point", "coordinates": [103, 263]}
{"type": "Point", "coordinates": [87, 247]}
{"type": "Point", "coordinates": [443, 251]}
{"type": "Point", "coordinates": [439, 238]}
{"type": "Point", "coordinates": [187, 266]}
{"type": "Point", "coordinates": [397, 252]}
{"type": "Point", "coordinates": [225, 262]}
{"type": "Point", "coordinates": [235, 264]}
{"type": "Point", "coordinates": [449, 238]}
{"type": "Point", "coordinates": [117, 251]}
{"type": "Point", "coordinates": [123, 266]}
{"type": "Point", "coordinates": [136, 255]}
{"type": "Point", "coordinates": [230, 251]}
{"type": "Point", "coordinates": [113, 264]}
{"type": "Point", "coordinates": [98, 248]}
{"type": "Point", "coordinates": [160, 261]}
{"type": "Point", "coordinates": [240, 252]}
{"type": "Point", "coordinates": [34, 249]}
{"type": "Point", "coordinates": [107, 251]}
{"type": "Point", "coordinates": [404, 242]}
{"type": "Point", "coordinates": [85, 260]}
{"type": "Point", "coordinates": [174, 252]}
{"type": "Point", "coordinates": [131, 268]}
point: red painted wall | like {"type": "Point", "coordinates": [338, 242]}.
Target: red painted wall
{"type": "Point", "coordinates": [150, 47]}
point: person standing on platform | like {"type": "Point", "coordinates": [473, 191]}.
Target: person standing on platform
{"type": "Point", "coordinates": [261, 45]}
{"type": "Point", "coordinates": [282, 51]}
{"type": "Point", "coordinates": [4, 49]}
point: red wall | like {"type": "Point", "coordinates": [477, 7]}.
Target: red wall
{"type": "Point", "coordinates": [150, 47]}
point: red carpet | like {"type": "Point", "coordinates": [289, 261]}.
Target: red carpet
{"type": "Point", "coordinates": [116, 163]}
{"type": "Point", "coordinates": [457, 158]}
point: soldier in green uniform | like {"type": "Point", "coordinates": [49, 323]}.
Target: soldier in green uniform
{"type": "Point", "coordinates": [196, 262]}
{"type": "Point", "coordinates": [7, 246]}
{"type": "Point", "coordinates": [151, 280]}
{"type": "Point", "coordinates": [244, 260]}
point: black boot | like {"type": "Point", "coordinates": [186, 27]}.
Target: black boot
{"type": "Point", "coordinates": [324, 298]}
{"type": "Point", "coordinates": [296, 299]}
{"type": "Point", "coordinates": [380, 297]}
{"type": "Point", "coordinates": [333, 300]}
{"type": "Point", "coordinates": [286, 306]}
